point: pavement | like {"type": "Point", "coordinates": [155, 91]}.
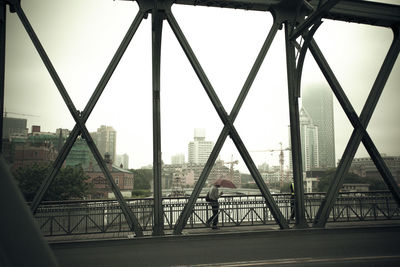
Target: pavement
{"type": "Point", "coordinates": [343, 244]}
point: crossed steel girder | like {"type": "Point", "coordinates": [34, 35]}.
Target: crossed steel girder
{"type": "Point", "coordinates": [292, 15]}
{"type": "Point", "coordinates": [226, 130]}
{"type": "Point", "coordinates": [81, 118]}
{"type": "Point", "coordinates": [360, 124]}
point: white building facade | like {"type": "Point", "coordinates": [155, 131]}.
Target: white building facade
{"type": "Point", "coordinates": [106, 141]}
{"type": "Point", "coordinates": [178, 159]}
{"type": "Point", "coordinates": [199, 149]}
{"type": "Point", "coordinates": [309, 142]}
{"type": "Point", "coordinates": [123, 160]}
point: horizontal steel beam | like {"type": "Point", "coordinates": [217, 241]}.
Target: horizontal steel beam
{"type": "Point", "coordinates": [313, 18]}
{"type": "Point", "coordinates": [357, 11]}
{"type": "Point", "coordinates": [364, 12]}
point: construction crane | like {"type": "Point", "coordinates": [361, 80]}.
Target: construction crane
{"type": "Point", "coordinates": [21, 114]}
{"type": "Point", "coordinates": [281, 159]}
{"type": "Point", "coordinates": [232, 162]}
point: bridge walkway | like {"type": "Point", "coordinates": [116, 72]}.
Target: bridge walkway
{"type": "Point", "coordinates": [209, 231]}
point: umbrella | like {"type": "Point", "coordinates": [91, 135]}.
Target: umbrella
{"type": "Point", "coordinates": [224, 183]}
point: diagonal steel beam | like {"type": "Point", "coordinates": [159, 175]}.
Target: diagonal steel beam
{"type": "Point", "coordinates": [182, 220]}
{"type": "Point", "coordinates": [63, 153]}
{"type": "Point", "coordinates": [313, 18]}
{"type": "Point", "coordinates": [300, 216]}
{"type": "Point", "coordinates": [130, 217]}
{"type": "Point", "coordinates": [157, 18]}
{"type": "Point", "coordinates": [359, 133]}
{"type": "Point", "coordinates": [355, 121]}
{"type": "Point", "coordinates": [226, 120]}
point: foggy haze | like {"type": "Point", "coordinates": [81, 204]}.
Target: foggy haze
{"type": "Point", "coordinates": [81, 37]}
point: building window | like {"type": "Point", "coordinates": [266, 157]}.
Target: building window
{"type": "Point", "coordinates": [116, 181]}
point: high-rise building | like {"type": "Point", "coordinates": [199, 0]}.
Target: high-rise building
{"type": "Point", "coordinates": [199, 149]}
{"type": "Point", "coordinates": [123, 160]}
{"type": "Point", "coordinates": [106, 139]}
{"type": "Point", "coordinates": [14, 127]}
{"type": "Point", "coordinates": [318, 101]}
{"type": "Point", "coordinates": [309, 142]}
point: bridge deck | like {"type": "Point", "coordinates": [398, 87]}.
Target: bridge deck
{"type": "Point", "coordinates": [209, 231]}
{"type": "Point", "coordinates": [372, 245]}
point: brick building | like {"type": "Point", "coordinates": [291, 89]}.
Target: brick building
{"type": "Point", "coordinates": [27, 153]}
{"type": "Point", "coordinates": [365, 167]}
{"type": "Point", "coordinates": [101, 187]}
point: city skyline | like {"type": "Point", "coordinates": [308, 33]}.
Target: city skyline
{"type": "Point", "coordinates": [82, 52]}
{"type": "Point", "coordinates": [179, 158]}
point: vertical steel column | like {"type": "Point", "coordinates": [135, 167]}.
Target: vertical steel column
{"type": "Point", "coordinates": [353, 118]}
{"type": "Point", "coordinates": [157, 23]}
{"type": "Point", "coordinates": [358, 133]}
{"type": "Point", "coordinates": [2, 65]}
{"type": "Point", "coordinates": [295, 132]}
{"type": "Point", "coordinates": [182, 220]}
{"type": "Point", "coordinates": [227, 121]}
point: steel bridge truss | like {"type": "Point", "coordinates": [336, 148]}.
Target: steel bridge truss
{"type": "Point", "coordinates": [300, 18]}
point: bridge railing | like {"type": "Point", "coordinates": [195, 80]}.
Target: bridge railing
{"type": "Point", "coordinates": [105, 216]}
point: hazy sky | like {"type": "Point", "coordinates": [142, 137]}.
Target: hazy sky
{"type": "Point", "coordinates": [81, 37]}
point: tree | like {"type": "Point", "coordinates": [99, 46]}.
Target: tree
{"type": "Point", "coordinates": [70, 182]}
{"type": "Point", "coordinates": [142, 180]}
{"type": "Point", "coordinates": [375, 183]}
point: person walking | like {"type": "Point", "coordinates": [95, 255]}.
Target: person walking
{"type": "Point", "coordinates": [292, 202]}
{"type": "Point", "coordinates": [213, 196]}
